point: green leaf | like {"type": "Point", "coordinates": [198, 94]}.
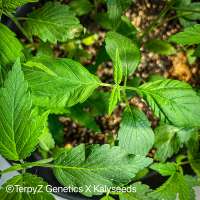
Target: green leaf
{"type": "Point", "coordinates": [80, 7]}
{"type": "Point", "coordinates": [175, 185]}
{"type": "Point", "coordinates": [98, 103]}
{"type": "Point", "coordinates": [193, 143]}
{"type": "Point", "coordinates": [3, 74]}
{"type": "Point", "coordinates": [166, 144]}
{"type": "Point", "coordinates": [169, 139]}
{"type": "Point", "coordinates": [53, 22]}
{"type": "Point", "coordinates": [141, 192]}
{"type": "Point", "coordinates": [129, 52]}
{"type": "Point", "coordinates": [135, 134]}
{"type": "Point", "coordinates": [59, 82]}
{"type": "Point", "coordinates": [127, 29]}
{"type": "Point", "coordinates": [57, 129]}
{"type": "Point", "coordinates": [20, 182]}
{"type": "Point", "coordinates": [46, 140]}
{"type": "Point", "coordinates": [190, 15]}
{"type": "Point", "coordinates": [107, 198]}
{"type": "Point", "coordinates": [189, 36]}
{"type": "Point", "coordinates": [45, 50]}
{"type": "Point", "coordinates": [195, 164]}
{"type": "Point", "coordinates": [97, 166]}
{"type": "Point", "coordinates": [20, 125]}
{"type": "Point", "coordinates": [11, 5]}
{"type": "Point", "coordinates": [160, 47]}
{"type": "Point", "coordinates": [114, 98]}
{"type": "Point", "coordinates": [10, 47]}
{"type": "Point", "coordinates": [84, 118]}
{"type": "Point", "coordinates": [165, 169]}
{"type": "Point", "coordinates": [116, 9]}
{"type": "Point", "coordinates": [197, 51]}
{"type": "Point", "coordinates": [192, 182]}
{"type": "Point", "coordinates": [103, 20]}
{"type": "Point", "coordinates": [173, 101]}
{"type": "Point", "coordinates": [179, 3]}
{"type": "Point", "coordinates": [193, 152]}
{"type": "Point", "coordinates": [191, 56]}
{"type": "Point", "coordinates": [117, 68]}
{"type": "Point", "coordinates": [90, 40]}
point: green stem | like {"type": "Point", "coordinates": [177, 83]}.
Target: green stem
{"type": "Point", "coordinates": [176, 16]}
{"type": "Point", "coordinates": [121, 87]}
{"type": "Point", "coordinates": [106, 85]}
{"type": "Point", "coordinates": [184, 163]}
{"type": "Point", "coordinates": [15, 20]}
{"type": "Point", "coordinates": [23, 170]}
{"type": "Point", "coordinates": [124, 88]}
{"type": "Point", "coordinates": [23, 165]}
{"type": "Point", "coordinates": [187, 10]}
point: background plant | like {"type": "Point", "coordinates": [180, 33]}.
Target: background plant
{"type": "Point", "coordinates": [36, 86]}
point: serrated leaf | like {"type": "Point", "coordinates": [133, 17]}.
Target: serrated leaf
{"type": "Point", "coordinates": [175, 186]}
{"type": "Point", "coordinates": [10, 47]}
{"type": "Point", "coordinates": [129, 52]}
{"type": "Point", "coordinates": [20, 125]}
{"type": "Point", "coordinates": [11, 5]}
{"type": "Point", "coordinates": [25, 181]}
{"type": "Point", "coordinates": [135, 134]}
{"type": "Point", "coordinates": [141, 193]}
{"type": "Point", "coordinates": [58, 83]}
{"type": "Point", "coordinates": [189, 36]}
{"type": "Point", "coordinates": [173, 101]}
{"type": "Point", "coordinates": [169, 139]}
{"type": "Point", "coordinates": [53, 22]}
{"type": "Point", "coordinates": [165, 169]}
{"type": "Point", "coordinates": [160, 47]}
{"type": "Point", "coordinates": [116, 9]}
{"type": "Point", "coordinates": [114, 98]}
{"type": "Point", "coordinates": [97, 166]}
{"type": "Point", "coordinates": [80, 7]}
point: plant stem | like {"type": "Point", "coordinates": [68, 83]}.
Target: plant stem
{"type": "Point", "coordinates": [124, 88]}
{"type": "Point", "coordinates": [22, 18]}
{"type": "Point", "coordinates": [42, 163]}
{"type": "Point", "coordinates": [15, 20]}
{"type": "Point", "coordinates": [121, 87]}
{"type": "Point", "coordinates": [186, 10]}
{"type": "Point", "coordinates": [176, 16]}
{"type": "Point", "coordinates": [106, 85]}
{"type": "Point", "coordinates": [23, 165]}
{"type": "Point", "coordinates": [23, 170]}
{"type": "Point", "coordinates": [184, 163]}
